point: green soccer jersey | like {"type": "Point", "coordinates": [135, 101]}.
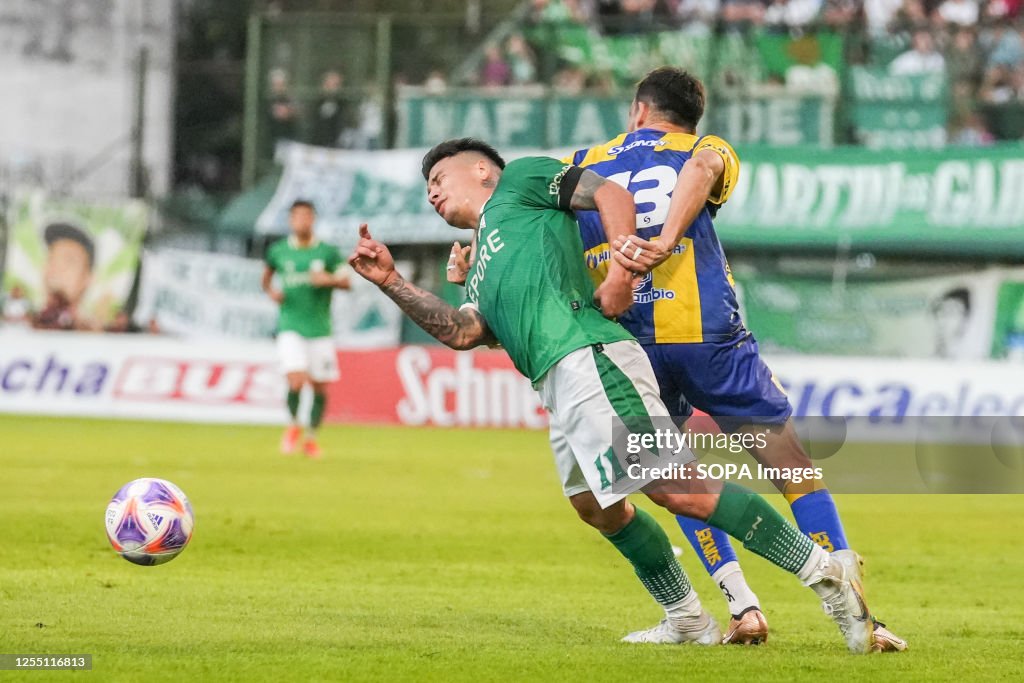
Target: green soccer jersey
{"type": "Point", "coordinates": [529, 279]}
{"type": "Point", "coordinates": [306, 309]}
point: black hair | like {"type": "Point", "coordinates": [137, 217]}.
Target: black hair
{"type": "Point", "coordinates": [677, 95]}
{"type": "Point", "coordinates": [67, 231]}
{"type": "Point", "coordinates": [450, 148]}
{"type": "Point", "coordinates": [961, 294]}
{"type": "Point", "coordinates": [302, 204]}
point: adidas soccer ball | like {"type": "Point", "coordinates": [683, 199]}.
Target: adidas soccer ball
{"type": "Point", "coordinates": [149, 521]}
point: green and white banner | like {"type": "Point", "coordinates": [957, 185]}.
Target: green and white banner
{"type": "Point", "coordinates": [218, 296]}
{"type": "Point", "coordinates": [527, 119]}
{"type": "Point", "coordinates": [534, 119]}
{"type": "Point", "coordinates": [74, 256]}
{"type": "Point", "coordinates": [949, 316]}
{"type": "Point", "coordinates": [898, 112]}
{"type": "Point", "coordinates": [956, 202]}
{"type": "Point", "coordinates": [384, 189]}
{"type": "Point", "coordinates": [964, 316]}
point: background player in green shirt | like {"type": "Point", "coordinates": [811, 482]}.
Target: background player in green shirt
{"type": "Point", "coordinates": [528, 290]}
{"type": "Point", "coordinates": [307, 271]}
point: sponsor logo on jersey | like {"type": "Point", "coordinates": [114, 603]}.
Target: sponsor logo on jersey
{"type": "Point", "coordinates": [619, 149]}
{"type": "Point", "coordinates": [644, 291]}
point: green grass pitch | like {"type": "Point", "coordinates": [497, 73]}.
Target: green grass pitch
{"type": "Point", "coordinates": [422, 554]}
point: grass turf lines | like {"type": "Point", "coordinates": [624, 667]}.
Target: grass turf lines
{"type": "Point", "coordinates": [415, 554]}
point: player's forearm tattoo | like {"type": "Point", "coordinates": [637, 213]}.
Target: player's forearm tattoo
{"type": "Point", "coordinates": [586, 188]}
{"type": "Point", "coordinates": [459, 329]}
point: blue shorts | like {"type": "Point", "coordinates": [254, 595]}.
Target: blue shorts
{"type": "Point", "coordinates": [726, 379]}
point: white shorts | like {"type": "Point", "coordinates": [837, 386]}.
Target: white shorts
{"type": "Point", "coordinates": [583, 394]}
{"type": "Point", "coordinates": [316, 357]}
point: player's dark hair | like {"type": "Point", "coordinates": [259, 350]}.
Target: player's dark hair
{"type": "Point", "coordinates": [302, 204]}
{"type": "Point", "coordinates": [450, 148]}
{"type": "Point", "coordinates": [676, 95]}
{"type": "Point", "coordinates": [961, 294]}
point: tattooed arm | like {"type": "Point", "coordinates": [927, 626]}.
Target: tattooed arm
{"type": "Point", "coordinates": [457, 328]}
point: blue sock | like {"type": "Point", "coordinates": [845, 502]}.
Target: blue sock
{"type": "Point", "coordinates": [711, 545]}
{"type": "Point", "coordinates": [816, 515]}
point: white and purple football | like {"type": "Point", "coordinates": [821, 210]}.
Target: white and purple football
{"type": "Point", "coordinates": [149, 521]}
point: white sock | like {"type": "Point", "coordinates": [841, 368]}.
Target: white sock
{"type": "Point", "coordinates": [816, 566]}
{"type": "Point", "coordinates": [681, 613]}
{"type": "Point", "coordinates": [730, 580]}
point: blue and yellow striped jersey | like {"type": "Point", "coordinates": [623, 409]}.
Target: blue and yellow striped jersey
{"type": "Point", "coordinates": [690, 297]}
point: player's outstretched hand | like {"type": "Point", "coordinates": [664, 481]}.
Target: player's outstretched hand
{"type": "Point", "coordinates": [458, 264]}
{"type": "Point", "coordinates": [639, 255]}
{"type": "Point", "coordinates": [371, 259]}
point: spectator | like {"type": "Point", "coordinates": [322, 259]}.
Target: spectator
{"type": "Point", "coordinates": [435, 83]}
{"type": "Point", "coordinates": [740, 15]}
{"type": "Point", "coordinates": [839, 14]}
{"type": "Point", "coordinates": [998, 86]}
{"type": "Point", "coordinates": [959, 12]}
{"type": "Point", "coordinates": [570, 80]}
{"type": "Point", "coordinates": [878, 14]}
{"type": "Point", "coordinates": [610, 16]}
{"type": "Point", "coordinates": [637, 15]}
{"type": "Point", "coordinates": [963, 58]}
{"type": "Point", "coordinates": [1001, 10]}
{"type": "Point", "coordinates": [789, 14]}
{"type": "Point", "coordinates": [972, 132]}
{"type": "Point", "coordinates": [557, 12]}
{"type": "Point", "coordinates": [698, 16]}
{"type": "Point", "coordinates": [1006, 48]}
{"type": "Point", "coordinates": [330, 113]}
{"type": "Point", "coordinates": [521, 60]}
{"type": "Point", "coordinates": [912, 15]}
{"type": "Point", "coordinates": [370, 131]}
{"type": "Point", "coordinates": [809, 74]}
{"type": "Point", "coordinates": [922, 58]}
{"type": "Point", "coordinates": [495, 71]}
{"type": "Point", "coordinates": [17, 309]}
{"type": "Point", "coordinates": [283, 113]}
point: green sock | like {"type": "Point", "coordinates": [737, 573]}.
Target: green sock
{"type": "Point", "coordinates": [644, 543]}
{"type": "Point", "coordinates": [746, 516]}
{"type": "Point", "coordinates": [293, 404]}
{"type": "Point", "coordinates": [316, 414]}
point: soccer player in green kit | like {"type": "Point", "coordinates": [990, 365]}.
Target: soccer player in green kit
{"type": "Point", "coordinates": [309, 274]}
{"type": "Point", "coordinates": [528, 290]}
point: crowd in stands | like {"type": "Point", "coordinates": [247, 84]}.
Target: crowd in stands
{"type": "Point", "coordinates": [878, 16]}
{"type": "Point", "coordinates": [332, 117]}
{"type": "Point", "coordinates": [977, 44]}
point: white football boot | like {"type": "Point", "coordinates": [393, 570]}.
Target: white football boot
{"type": "Point", "coordinates": [842, 598]}
{"type": "Point", "coordinates": [885, 640]}
{"type": "Point", "coordinates": [703, 631]}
